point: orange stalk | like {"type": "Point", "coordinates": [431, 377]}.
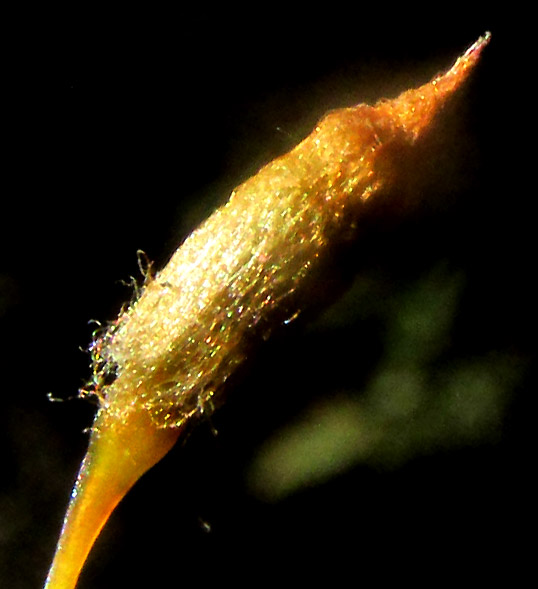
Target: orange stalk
{"type": "Point", "coordinates": [120, 452]}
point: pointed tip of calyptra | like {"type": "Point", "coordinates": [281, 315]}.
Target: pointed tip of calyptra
{"type": "Point", "coordinates": [476, 48]}
{"type": "Point", "coordinates": [120, 452]}
{"type": "Point", "coordinates": [414, 110]}
{"type": "Point", "coordinates": [456, 75]}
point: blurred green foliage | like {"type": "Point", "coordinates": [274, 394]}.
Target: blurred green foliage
{"type": "Point", "coordinates": [418, 400]}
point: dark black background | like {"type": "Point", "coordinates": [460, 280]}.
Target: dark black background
{"type": "Point", "coordinates": [122, 132]}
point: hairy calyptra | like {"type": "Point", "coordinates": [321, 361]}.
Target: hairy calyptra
{"type": "Point", "coordinates": [243, 273]}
